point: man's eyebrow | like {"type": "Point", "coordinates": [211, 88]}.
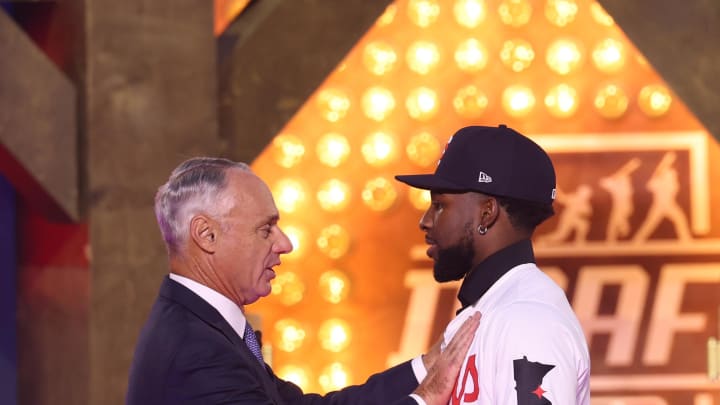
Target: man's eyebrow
{"type": "Point", "coordinates": [270, 219]}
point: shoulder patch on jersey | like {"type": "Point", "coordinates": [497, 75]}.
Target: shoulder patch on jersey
{"type": "Point", "coordinates": [528, 381]}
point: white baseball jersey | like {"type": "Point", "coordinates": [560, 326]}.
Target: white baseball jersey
{"type": "Point", "coordinates": [529, 348]}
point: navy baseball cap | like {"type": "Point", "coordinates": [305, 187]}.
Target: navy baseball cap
{"type": "Point", "coordinates": [498, 161]}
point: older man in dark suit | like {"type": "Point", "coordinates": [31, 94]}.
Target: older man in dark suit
{"type": "Point", "coordinates": [220, 225]}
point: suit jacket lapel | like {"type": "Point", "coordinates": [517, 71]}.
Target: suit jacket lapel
{"type": "Point", "coordinates": [180, 294]}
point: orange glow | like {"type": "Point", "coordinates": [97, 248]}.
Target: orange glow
{"type": "Point", "coordinates": [471, 55]}
{"type": "Point", "coordinates": [332, 149]}
{"type": "Point", "coordinates": [334, 335]}
{"type": "Point", "coordinates": [288, 288]}
{"type": "Point", "coordinates": [334, 377]}
{"type": "Point", "coordinates": [225, 12]}
{"type": "Point", "coordinates": [469, 13]}
{"type": "Point", "coordinates": [298, 375]}
{"type": "Point", "coordinates": [291, 335]}
{"type": "Point", "coordinates": [515, 13]}
{"type": "Point", "coordinates": [289, 194]}
{"type": "Point", "coordinates": [654, 100]}
{"type": "Point", "coordinates": [423, 70]}
{"type": "Point", "coordinates": [517, 54]}
{"type": "Point", "coordinates": [423, 12]}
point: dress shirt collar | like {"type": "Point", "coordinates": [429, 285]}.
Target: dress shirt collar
{"type": "Point", "coordinates": [485, 274]}
{"type": "Point", "coordinates": [227, 309]}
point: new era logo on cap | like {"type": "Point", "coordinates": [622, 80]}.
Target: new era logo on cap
{"type": "Point", "coordinates": [484, 178]}
{"type": "Point", "coordinates": [520, 168]}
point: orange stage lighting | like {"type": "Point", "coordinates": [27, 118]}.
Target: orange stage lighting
{"type": "Point", "coordinates": [559, 71]}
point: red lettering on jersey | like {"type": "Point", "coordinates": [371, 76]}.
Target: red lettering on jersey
{"type": "Point", "coordinates": [470, 373]}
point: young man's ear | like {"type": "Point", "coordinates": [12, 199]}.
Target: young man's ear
{"type": "Point", "coordinates": [203, 233]}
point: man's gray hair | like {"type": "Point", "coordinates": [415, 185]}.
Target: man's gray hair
{"type": "Point", "coordinates": [194, 186]}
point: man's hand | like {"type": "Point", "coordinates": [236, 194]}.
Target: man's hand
{"type": "Point", "coordinates": [437, 386]}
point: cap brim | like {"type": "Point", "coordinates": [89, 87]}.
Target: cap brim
{"type": "Point", "coordinates": [429, 182]}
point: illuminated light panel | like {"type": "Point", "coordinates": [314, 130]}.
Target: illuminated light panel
{"type": "Point", "coordinates": [379, 58]}
{"type": "Point", "coordinates": [298, 239]}
{"type": "Point", "coordinates": [287, 150]}
{"type": "Point", "coordinates": [470, 102]}
{"type": "Point", "coordinates": [289, 195]}
{"type": "Point", "coordinates": [518, 100]}
{"type": "Point", "coordinates": [611, 101]}
{"type": "Point", "coordinates": [609, 55]}
{"type": "Point", "coordinates": [334, 286]}
{"type": "Point", "coordinates": [561, 12]}
{"type": "Point", "coordinates": [333, 195]}
{"type": "Point", "coordinates": [379, 194]}
{"type": "Point", "coordinates": [515, 13]}
{"type": "Point", "coordinates": [334, 377]}
{"type": "Point", "coordinates": [517, 54]}
{"type": "Point", "coordinates": [469, 13]}
{"type": "Point", "coordinates": [423, 149]}
{"type": "Point", "coordinates": [334, 335]}
{"type": "Point", "coordinates": [378, 149]}
{"type": "Point", "coordinates": [471, 55]}
{"type": "Point", "coordinates": [377, 103]}
{"type": "Point", "coordinates": [423, 13]}
{"type": "Point", "coordinates": [562, 101]}
{"type": "Point", "coordinates": [288, 288]}
{"type": "Point", "coordinates": [332, 149]}
{"type": "Point", "coordinates": [422, 103]}
{"type": "Point", "coordinates": [419, 198]}
{"type": "Point", "coordinates": [600, 15]}
{"type": "Point", "coordinates": [654, 100]}
{"type": "Point", "coordinates": [334, 241]}
{"type": "Point", "coordinates": [388, 16]}
{"type": "Point", "coordinates": [297, 375]}
{"type": "Point", "coordinates": [564, 56]}
{"type": "Point", "coordinates": [290, 333]}
{"type": "Point", "coordinates": [422, 57]}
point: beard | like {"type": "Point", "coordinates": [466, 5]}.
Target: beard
{"type": "Point", "coordinates": [455, 261]}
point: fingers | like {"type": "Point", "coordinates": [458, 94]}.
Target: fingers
{"type": "Point", "coordinates": [432, 355]}
{"type": "Point", "coordinates": [460, 343]}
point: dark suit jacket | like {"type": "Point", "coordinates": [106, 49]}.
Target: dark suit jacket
{"type": "Point", "coordinates": [188, 354]}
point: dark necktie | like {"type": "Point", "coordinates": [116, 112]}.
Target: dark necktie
{"type": "Point", "coordinates": [252, 343]}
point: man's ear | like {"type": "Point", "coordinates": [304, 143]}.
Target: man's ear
{"type": "Point", "coordinates": [489, 210]}
{"type": "Point", "coordinates": [203, 232]}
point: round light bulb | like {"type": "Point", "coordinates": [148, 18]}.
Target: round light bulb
{"type": "Point", "coordinates": [379, 194]}
{"type": "Point", "coordinates": [334, 377]}
{"type": "Point", "coordinates": [334, 335]}
{"type": "Point", "coordinates": [297, 375]}
{"type": "Point", "coordinates": [471, 55]}
{"type": "Point", "coordinates": [654, 100]}
{"type": "Point", "coordinates": [333, 195]}
{"type": "Point", "coordinates": [423, 13]}
{"type": "Point", "coordinates": [379, 58]}
{"type": "Point", "coordinates": [423, 149]}
{"type": "Point", "coordinates": [469, 13]}
{"type": "Point", "coordinates": [422, 103]}
{"type": "Point", "coordinates": [419, 198]}
{"type": "Point", "coordinates": [517, 54]}
{"type": "Point", "coordinates": [518, 100]}
{"type": "Point", "coordinates": [562, 101]}
{"type": "Point", "coordinates": [611, 101]}
{"type": "Point", "coordinates": [333, 103]}
{"type": "Point", "coordinates": [290, 335]}
{"type": "Point", "coordinates": [288, 288]}
{"type": "Point", "coordinates": [564, 56]}
{"type": "Point", "coordinates": [378, 103]}
{"type": "Point", "coordinates": [609, 55]}
{"type": "Point", "coordinates": [289, 195]}
{"type": "Point", "coordinates": [298, 240]}
{"type": "Point", "coordinates": [287, 150]}
{"type": "Point", "coordinates": [422, 57]}
{"type": "Point", "coordinates": [561, 12]}
{"type": "Point", "coordinates": [332, 149]}
{"type": "Point", "coordinates": [515, 13]}
{"type": "Point", "coordinates": [334, 241]}
{"type": "Point", "coordinates": [379, 149]}
{"type": "Point", "coordinates": [470, 102]}
{"type": "Point", "coordinates": [334, 286]}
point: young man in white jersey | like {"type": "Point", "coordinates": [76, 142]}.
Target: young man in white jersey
{"type": "Point", "coordinates": [491, 189]}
